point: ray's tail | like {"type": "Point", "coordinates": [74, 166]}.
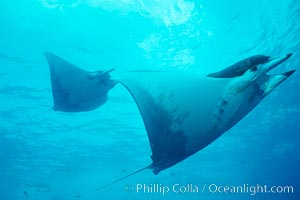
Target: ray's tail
{"type": "Point", "coordinates": [122, 178]}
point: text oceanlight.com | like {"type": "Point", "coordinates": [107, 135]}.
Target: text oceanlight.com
{"type": "Point", "coordinates": [210, 188]}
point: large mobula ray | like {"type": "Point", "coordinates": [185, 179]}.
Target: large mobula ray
{"type": "Point", "coordinates": [182, 112]}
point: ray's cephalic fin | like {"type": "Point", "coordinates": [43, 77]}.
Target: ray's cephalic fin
{"type": "Point", "coordinates": [77, 90]}
{"type": "Point", "coordinates": [274, 80]}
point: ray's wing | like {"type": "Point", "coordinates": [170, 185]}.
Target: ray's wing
{"type": "Point", "coordinates": [177, 110]}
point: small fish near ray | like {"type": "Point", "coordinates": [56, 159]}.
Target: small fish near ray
{"type": "Point", "coordinates": [241, 67]}
{"type": "Point", "coordinates": [182, 112]}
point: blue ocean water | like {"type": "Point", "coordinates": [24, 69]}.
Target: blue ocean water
{"type": "Point", "coordinates": [62, 156]}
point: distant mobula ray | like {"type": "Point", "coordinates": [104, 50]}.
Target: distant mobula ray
{"type": "Point", "coordinates": [182, 112]}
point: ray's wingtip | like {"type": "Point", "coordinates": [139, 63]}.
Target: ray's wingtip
{"type": "Point", "coordinates": [212, 75]}
{"type": "Point", "coordinates": [49, 55]}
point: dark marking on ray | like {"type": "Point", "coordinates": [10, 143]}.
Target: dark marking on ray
{"type": "Point", "coordinates": [224, 102]}
{"type": "Point", "coordinates": [172, 174]}
{"type": "Point", "coordinates": [217, 116]}
{"type": "Point", "coordinates": [221, 110]}
{"type": "Point", "coordinates": [25, 193]}
{"type": "Point", "coordinates": [179, 119]}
